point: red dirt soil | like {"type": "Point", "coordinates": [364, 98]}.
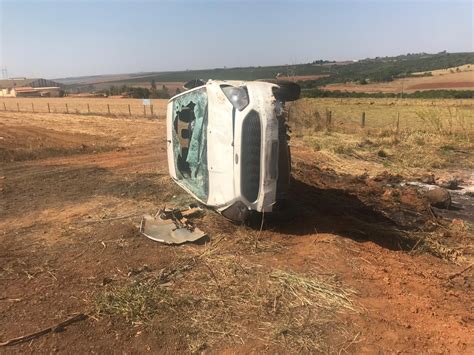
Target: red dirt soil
{"type": "Point", "coordinates": [64, 180]}
{"type": "Point", "coordinates": [442, 85]}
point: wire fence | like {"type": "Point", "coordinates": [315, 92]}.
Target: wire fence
{"type": "Point", "coordinates": [82, 107]}
{"type": "Point", "coordinates": [307, 116]}
{"type": "Point", "coordinates": [304, 115]}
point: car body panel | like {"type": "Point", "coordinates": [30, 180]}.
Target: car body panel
{"type": "Point", "coordinates": [224, 144]}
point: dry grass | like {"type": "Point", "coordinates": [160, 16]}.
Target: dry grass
{"type": "Point", "coordinates": [308, 115]}
{"type": "Point", "coordinates": [451, 120]}
{"type": "Point", "coordinates": [217, 296]}
{"type": "Point", "coordinates": [451, 242]}
{"type": "Point", "coordinates": [433, 136]}
{"type": "Point", "coordinates": [137, 302]}
{"type": "Point", "coordinates": [118, 107]}
{"type": "Point", "coordinates": [430, 244]}
{"type": "Point", "coordinates": [457, 251]}
{"type": "Point", "coordinates": [312, 291]}
{"type": "Point", "coordinates": [141, 299]}
{"type": "Point", "coordinates": [397, 152]}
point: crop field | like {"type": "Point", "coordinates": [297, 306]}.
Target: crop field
{"type": "Point", "coordinates": [358, 262]}
{"type": "Point", "coordinates": [440, 79]}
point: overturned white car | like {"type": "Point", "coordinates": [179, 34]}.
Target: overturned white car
{"type": "Point", "coordinates": [228, 144]}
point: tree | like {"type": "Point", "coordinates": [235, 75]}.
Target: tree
{"type": "Point", "coordinates": [153, 84]}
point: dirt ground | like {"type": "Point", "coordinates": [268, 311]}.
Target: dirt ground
{"type": "Point", "coordinates": [72, 192]}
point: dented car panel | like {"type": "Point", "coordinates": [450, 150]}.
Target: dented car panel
{"type": "Point", "coordinates": [238, 123]}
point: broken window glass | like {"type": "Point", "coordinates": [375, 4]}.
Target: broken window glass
{"type": "Point", "coordinates": [190, 142]}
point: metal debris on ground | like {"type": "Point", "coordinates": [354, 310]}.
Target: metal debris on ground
{"type": "Point", "coordinates": [170, 226]}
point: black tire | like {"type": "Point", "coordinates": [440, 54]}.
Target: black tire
{"type": "Point", "coordinates": [287, 91]}
{"type": "Point", "coordinates": [191, 84]}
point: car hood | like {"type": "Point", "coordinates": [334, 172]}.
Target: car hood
{"type": "Point", "coordinates": [220, 153]}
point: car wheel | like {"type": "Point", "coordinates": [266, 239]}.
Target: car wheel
{"type": "Point", "coordinates": [287, 91]}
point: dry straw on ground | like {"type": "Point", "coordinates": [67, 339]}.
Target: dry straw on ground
{"type": "Point", "coordinates": [217, 295]}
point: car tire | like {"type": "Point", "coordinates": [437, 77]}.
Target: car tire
{"type": "Point", "coordinates": [287, 91]}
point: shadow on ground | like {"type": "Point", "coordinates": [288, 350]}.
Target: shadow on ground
{"type": "Point", "coordinates": [311, 209]}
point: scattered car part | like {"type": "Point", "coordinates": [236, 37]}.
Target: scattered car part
{"type": "Point", "coordinates": [171, 227]}
{"type": "Point", "coordinates": [228, 144]}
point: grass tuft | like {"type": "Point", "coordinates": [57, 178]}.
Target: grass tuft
{"type": "Point", "coordinates": [312, 291]}
{"type": "Point", "coordinates": [137, 302]}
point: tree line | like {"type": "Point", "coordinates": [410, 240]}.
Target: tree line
{"type": "Point", "coordinates": [369, 69]}
{"type": "Point", "coordinates": [141, 92]}
{"type": "Point", "coordinates": [427, 94]}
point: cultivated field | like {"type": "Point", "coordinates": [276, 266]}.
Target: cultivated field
{"type": "Point", "coordinates": [448, 79]}
{"type": "Point", "coordinates": [357, 262]}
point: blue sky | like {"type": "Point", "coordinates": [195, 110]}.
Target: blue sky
{"type": "Point", "coordinates": [84, 37]}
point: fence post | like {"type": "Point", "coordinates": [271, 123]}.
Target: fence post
{"type": "Point", "coordinates": [108, 108]}
{"type": "Point", "coordinates": [318, 121]}
{"type": "Point", "coordinates": [398, 122]}
{"type": "Point", "coordinates": [67, 109]}
{"type": "Point", "coordinates": [49, 108]}
{"type": "Point", "coordinates": [88, 109]}
{"type": "Point", "coordinates": [129, 111]}
{"type": "Point", "coordinates": [328, 119]}
{"type": "Point", "coordinates": [4, 107]}
{"type": "Point", "coordinates": [33, 107]}
{"type": "Point", "coordinates": [144, 110]}
{"type": "Point", "coordinates": [362, 120]}
{"type": "Point", "coordinates": [151, 110]}
{"type": "Point", "coordinates": [18, 106]}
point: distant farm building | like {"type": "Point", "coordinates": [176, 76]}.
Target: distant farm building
{"type": "Point", "coordinates": [23, 87]}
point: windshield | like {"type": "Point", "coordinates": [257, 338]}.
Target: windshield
{"type": "Point", "coordinates": [190, 141]}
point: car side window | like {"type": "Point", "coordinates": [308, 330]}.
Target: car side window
{"type": "Point", "coordinates": [190, 141]}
